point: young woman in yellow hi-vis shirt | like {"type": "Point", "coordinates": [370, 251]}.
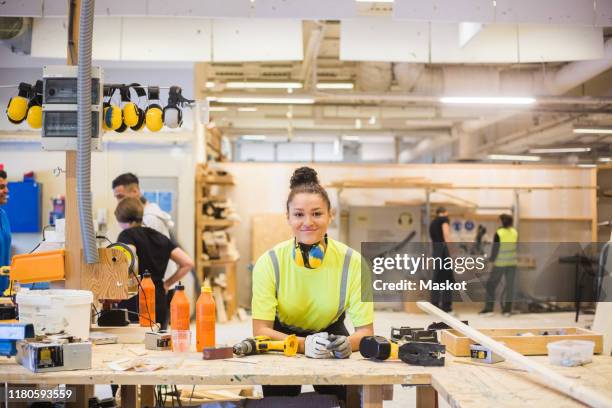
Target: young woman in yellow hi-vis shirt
{"type": "Point", "coordinates": [305, 285]}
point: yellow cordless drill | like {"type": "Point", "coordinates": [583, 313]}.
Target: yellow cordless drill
{"type": "Point", "coordinates": [261, 344]}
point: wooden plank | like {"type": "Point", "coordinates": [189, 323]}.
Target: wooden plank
{"type": "Point", "coordinates": [426, 397]}
{"type": "Point", "coordinates": [147, 395]}
{"type": "Point", "coordinates": [83, 394]}
{"type": "Point", "coordinates": [372, 396]}
{"type": "Point", "coordinates": [129, 396]}
{"type": "Point", "coordinates": [107, 279]}
{"type": "Point", "coordinates": [593, 200]}
{"type": "Point", "coordinates": [219, 304]}
{"type": "Point", "coordinates": [552, 378]}
{"type": "Point", "coordinates": [532, 345]}
{"type": "Point", "coordinates": [267, 230]}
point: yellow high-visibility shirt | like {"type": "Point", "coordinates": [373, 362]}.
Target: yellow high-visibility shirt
{"type": "Point", "coordinates": [309, 299]}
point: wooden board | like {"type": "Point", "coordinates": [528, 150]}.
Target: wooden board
{"type": "Point", "coordinates": [459, 345]}
{"type": "Point", "coordinates": [267, 230]}
{"type": "Point", "coordinates": [107, 279]}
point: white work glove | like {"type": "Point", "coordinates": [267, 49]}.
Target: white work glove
{"type": "Point", "coordinates": [315, 346]}
{"type": "Point", "coordinates": [340, 346]}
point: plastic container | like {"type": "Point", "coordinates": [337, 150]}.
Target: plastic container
{"type": "Point", "coordinates": [205, 319]}
{"type": "Point", "coordinates": [146, 301]}
{"type": "Point", "coordinates": [570, 353]}
{"type": "Point", "coordinates": [56, 310]}
{"type": "Point", "coordinates": [179, 309]}
{"type": "Point", "coordinates": [181, 341]}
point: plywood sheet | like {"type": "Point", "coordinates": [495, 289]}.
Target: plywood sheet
{"type": "Point", "coordinates": [267, 230]}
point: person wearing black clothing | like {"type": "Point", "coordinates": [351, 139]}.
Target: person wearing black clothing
{"type": "Point", "coordinates": [154, 250]}
{"type": "Point", "coordinates": [439, 232]}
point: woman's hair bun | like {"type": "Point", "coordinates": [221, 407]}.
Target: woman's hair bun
{"type": "Point", "coordinates": [303, 175]}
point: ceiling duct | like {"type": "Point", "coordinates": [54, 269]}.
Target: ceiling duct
{"type": "Point", "coordinates": [16, 33]}
{"type": "Point", "coordinates": [374, 76]}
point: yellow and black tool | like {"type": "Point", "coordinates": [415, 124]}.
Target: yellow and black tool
{"type": "Point", "coordinates": [378, 348]}
{"type": "Point", "coordinates": [262, 344]}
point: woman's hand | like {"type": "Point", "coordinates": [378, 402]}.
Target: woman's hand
{"type": "Point", "coordinates": [340, 346]}
{"type": "Point", "coordinates": [316, 346]}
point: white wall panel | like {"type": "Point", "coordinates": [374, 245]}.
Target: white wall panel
{"type": "Point", "coordinates": [481, 11]}
{"type": "Point", "coordinates": [111, 8]}
{"type": "Point", "coordinates": [21, 8]}
{"type": "Point", "coordinates": [603, 13]}
{"type": "Point", "coordinates": [157, 39]}
{"type": "Point", "coordinates": [546, 11]}
{"type": "Point", "coordinates": [49, 37]}
{"type": "Point", "coordinates": [300, 9]}
{"type": "Point", "coordinates": [559, 43]}
{"type": "Point", "coordinates": [494, 44]}
{"type": "Point", "coordinates": [257, 40]}
{"type": "Point", "coordinates": [381, 39]}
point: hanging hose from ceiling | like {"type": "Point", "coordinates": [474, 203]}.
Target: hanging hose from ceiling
{"type": "Point", "coordinates": [84, 195]}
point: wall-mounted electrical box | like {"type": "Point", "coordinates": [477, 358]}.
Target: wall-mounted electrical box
{"type": "Point", "coordinates": [59, 127]}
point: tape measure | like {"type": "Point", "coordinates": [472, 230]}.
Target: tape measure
{"type": "Point", "coordinates": [127, 251]}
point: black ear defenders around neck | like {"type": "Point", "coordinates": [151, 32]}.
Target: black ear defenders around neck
{"type": "Point", "coordinates": [154, 117]}
{"type": "Point", "coordinates": [34, 117]}
{"type": "Point", "coordinates": [173, 115]}
{"type": "Point", "coordinates": [17, 107]}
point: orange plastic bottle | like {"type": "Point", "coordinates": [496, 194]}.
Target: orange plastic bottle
{"type": "Point", "coordinates": [179, 309]}
{"type": "Point", "coordinates": [146, 300]}
{"type": "Point", "coordinates": [205, 319]}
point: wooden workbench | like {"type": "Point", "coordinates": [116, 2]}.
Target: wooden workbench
{"type": "Point", "coordinates": [461, 385]}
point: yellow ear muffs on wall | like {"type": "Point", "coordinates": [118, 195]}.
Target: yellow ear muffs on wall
{"type": "Point", "coordinates": [154, 113]}
{"type": "Point", "coordinates": [17, 108]}
{"type": "Point", "coordinates": [34, 117]}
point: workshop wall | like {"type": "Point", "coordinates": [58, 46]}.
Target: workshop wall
{"type": "Point", "coordinates": [269, 182]}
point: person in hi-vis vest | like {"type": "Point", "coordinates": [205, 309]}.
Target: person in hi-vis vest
{"type": "Point", "coordinates": [307, 284]}
{"type": "Point", "coordinates": [503, 256]}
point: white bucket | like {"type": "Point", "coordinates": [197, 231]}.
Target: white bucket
{"type": "Point", "coordinates": [56, 310]}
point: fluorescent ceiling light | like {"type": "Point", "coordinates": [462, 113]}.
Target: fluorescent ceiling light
{"type": "Point", "coordinates": [604, 159]}
{"type": "Point", "coordinates": [587, 166]}
{"type": "Point", "coordinates": [247, 100]}
{"type": "Point", "coordinates": [253, 137]}
{"type": "Point", "coordinates": [263, 85]}
{"type": "Point", "coordinates": [513, 157]}
{"type": "Point", "coordinates": [488, 100]}
{"type": "Point", "coordinates": [217, 108]}
{"type": "Point", "coordinates": [350, 138]}
{"type": "Point", "coordinates": [561, 150]}
{"type": "Point", "coordinates": [210, 84]}
{"type": "Point", "coordinates": [590, 131]}
{"type": "Point", "coordinates": [335, 85]}
{"type": "Point", "coordinates": [247, 109]}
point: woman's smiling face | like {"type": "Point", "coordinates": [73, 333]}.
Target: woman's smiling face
{"type": "Point", "coordinates": [308, 217]}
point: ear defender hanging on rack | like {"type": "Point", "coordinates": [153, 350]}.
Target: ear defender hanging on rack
{"type": "Point", "coordinates": [112, 113]}
{"type": "Point", "coordinates": [17, 108]}
{"type": "Point", "coordinates": [34, 117]}
{"type": "Point", "coordinates": [124, 93]}
{"type": "Point", "coordinates": [133, 115]}
{"type": "Point", "coordinates": [173, 115]}
{"type": "Point", "coordinates": [154, 113]}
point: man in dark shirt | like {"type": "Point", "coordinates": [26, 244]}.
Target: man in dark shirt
{"type": "Point", "coordinates": [154, 250]}
{"type": "Point", "coordinates": [439, 232]}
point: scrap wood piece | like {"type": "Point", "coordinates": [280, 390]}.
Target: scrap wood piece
{"type": "Point", "coordinates": [547, 375]}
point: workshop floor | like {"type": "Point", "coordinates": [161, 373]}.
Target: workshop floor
{"type": "Point", "coordinates": [236, 330]}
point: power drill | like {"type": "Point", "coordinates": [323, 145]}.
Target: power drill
{"type": "Point", "coordinates": [261, 344]}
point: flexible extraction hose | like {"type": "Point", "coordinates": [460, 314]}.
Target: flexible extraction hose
{"type": "Point", "coordinates": [84, 132]}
